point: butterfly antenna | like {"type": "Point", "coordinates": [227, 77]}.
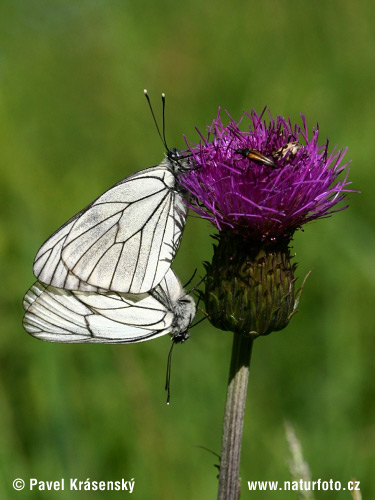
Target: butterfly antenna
{"type": "Point", "coordinates": [168, 375]}
{"type": "Point", "coordinates": [163, 105]}
{"type": "Point", "coordinates": [162, 137]}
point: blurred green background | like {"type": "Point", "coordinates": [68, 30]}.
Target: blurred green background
{"type": "Point", "coordinates": [73, 121]}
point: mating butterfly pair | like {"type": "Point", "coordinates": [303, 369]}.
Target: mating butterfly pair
{"type": "Point", "coordinates": [105, 276]}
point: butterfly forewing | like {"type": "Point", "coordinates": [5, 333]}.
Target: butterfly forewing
{"type": "Point", "coordinates": [124, 241]}
{"type": "Point", "coordinates": [166, 244]}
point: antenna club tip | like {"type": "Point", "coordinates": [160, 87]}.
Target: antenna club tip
{"type": "Point", "coordinates": [163, 95]}
{"type": "Point", "coordinates": [145, 91]}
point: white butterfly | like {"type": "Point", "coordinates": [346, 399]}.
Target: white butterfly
{"type": "Point", "coordinates": [58, 315]}
{"type": "Point", "coordinates": [125, 240]}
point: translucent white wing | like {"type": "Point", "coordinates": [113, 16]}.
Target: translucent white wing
{"type": "Point", "coordinates": [49, 266]}
{"type": "Point", "coordinates": [124, 241]}
{"type": "Point", "coordinates": [59, 315]}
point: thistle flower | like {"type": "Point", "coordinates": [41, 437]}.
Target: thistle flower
{"type": "Point", "coordinates": [260, 202]}
{"type": "Point", "coordinates": [258, 187]}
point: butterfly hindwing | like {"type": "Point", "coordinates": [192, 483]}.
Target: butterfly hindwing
{"type": "Point", "coordinates": [59, 315]}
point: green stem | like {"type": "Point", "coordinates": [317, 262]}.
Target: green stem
{"type": "Point", "coordinates": [229, 481]}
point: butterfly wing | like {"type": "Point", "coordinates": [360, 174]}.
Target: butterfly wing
{"type": "Point", "coordinates": [49, 266]}
{"type": "Point", "coordinates": [124, 241]}
{"type": "Point", "coordinates": [58, 315]}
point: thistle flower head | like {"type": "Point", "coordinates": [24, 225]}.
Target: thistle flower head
{"type": "Point", "coordinates": [257, 187]}
{"type": "Point", "coordinates": [267, 181]}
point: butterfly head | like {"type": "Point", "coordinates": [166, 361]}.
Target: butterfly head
{"type": "Point", "coordinates": [174, 155]}
{"type": "Point", "coordinates": [176, 161]}
{"type": "Point", "coordinates": [180, 337]}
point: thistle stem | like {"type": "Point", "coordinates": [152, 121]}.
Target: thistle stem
{"type": "Point", "coordinates": [229, 481]}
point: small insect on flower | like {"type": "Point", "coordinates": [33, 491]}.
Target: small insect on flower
{"type": "Point", "coordinates": [126, 240]}
{"type": "Point", "coordinates": [289, 151]}
{"type": "Point", "coordinates": [256, 157]}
